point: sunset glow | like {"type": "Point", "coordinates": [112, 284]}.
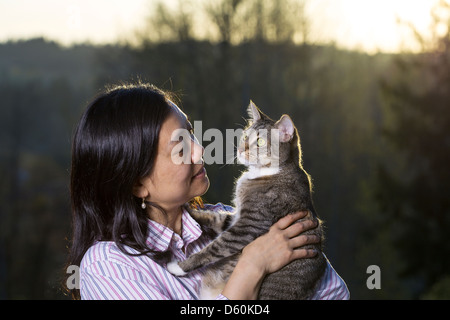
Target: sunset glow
{"type": "Point", "coordinates": [369, 25]}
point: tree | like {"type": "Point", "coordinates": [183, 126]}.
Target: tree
{"type": "Point", "coordinates": [223, 15]}
{"type": "Point", "coordinates": [416, 192]}
{"type": "Point", "coordinates": [168, 25]}
{"type": "Point", "coordinates": [247, 20]}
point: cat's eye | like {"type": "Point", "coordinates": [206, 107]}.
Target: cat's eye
{"type": "Point", "coordinates": [244, 137]}
{"type": "Point", "coordinates": [261, 142]}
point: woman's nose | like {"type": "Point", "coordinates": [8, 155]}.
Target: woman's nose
{"type": "Point", "coordinates": [197, 151]}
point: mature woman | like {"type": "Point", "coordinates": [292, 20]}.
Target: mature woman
{"type": "Point", "coordinates": [128, 198]}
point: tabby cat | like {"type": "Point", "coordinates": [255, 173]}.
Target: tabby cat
{"type": "Point", "coordinates": [274, 185]}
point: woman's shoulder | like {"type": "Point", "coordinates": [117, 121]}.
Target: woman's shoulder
{"type": "Point", "coordinates": [104, 252]}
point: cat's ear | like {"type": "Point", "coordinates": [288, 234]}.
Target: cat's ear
{"type": "Point", "coordinates": [253, 111]}
{"type": "Point", "coordinates": [286, 127]}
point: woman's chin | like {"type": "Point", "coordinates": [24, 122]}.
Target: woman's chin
{"type": "Point", "coordinates": [203, 186]}
{"type": "Point", "coordinates": [206, 187]}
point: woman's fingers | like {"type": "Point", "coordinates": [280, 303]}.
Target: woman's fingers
{"type": "Point", "coordinates": [303, 253]}
{"type": "Point", "coordinates": [303, 240]}
{"type": "Point", "coordinates": [282, 244]}
{"type": "Point", "coordinates": [286, 221]}
{"type": "Point", "coordinates": [297, 228]}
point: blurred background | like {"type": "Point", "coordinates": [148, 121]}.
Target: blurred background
{"type": "Point", "coordinates": [366, 82]}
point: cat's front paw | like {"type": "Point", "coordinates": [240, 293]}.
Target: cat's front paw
{"type": "Point", "coordinates": [175, 269]}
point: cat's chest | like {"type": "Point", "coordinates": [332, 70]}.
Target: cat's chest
{"type": "Point", "coordinates": [247, 186]}
{"type": "Point", "coordinates": [255, 173]}
{"type": "Point", "coordinates": [272, 187]}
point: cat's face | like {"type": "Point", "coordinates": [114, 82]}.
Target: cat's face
{"type": "Point", "coordinates": [265, 142]}
{"type": "Point", "coordinates": [255, 148]}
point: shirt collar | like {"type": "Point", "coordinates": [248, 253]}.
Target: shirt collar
{"type": "Point", "coordinates": [161, 237]}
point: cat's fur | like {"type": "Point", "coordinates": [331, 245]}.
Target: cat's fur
{"type": "Point", "coordinates": [264, 194]}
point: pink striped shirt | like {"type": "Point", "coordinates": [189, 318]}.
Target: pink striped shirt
{"type": "Point", "coordinates": [106, 273]}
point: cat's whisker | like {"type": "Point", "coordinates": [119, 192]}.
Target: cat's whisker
{"type": "Point", "coordinates": [225, 164]}
{"type": "Point", "coordinates": [240, 125]}
{"type": "Point", "coordinates": [229, 157]}
{"type": "Point", "coordinates": [247, 121]}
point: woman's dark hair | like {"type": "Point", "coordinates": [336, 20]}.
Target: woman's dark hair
{"type": "Point", "coordinates": [114, 145]}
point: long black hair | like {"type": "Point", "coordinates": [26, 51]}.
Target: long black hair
{"type": "Point", "coordinates": [114, 145]}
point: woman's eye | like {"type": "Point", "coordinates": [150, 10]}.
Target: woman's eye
{"type": "Point", "coordinates": [261, 142]}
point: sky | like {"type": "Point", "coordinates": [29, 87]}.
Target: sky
{"type": "Point", "coordinates": [369, 25]}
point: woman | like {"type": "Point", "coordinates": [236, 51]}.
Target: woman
{"type": "Point", "coordinates": [128, 198]}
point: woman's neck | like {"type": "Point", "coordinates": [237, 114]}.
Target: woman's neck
{"type": "Point", "coordinates": [171, 218]}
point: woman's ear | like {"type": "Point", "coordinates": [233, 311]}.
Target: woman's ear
{"type": "Point", "coordinates": [140, 190]}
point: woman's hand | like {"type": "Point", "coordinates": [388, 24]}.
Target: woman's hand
{"type": "Point", "coordinates": [269, 253]}
{"type": "Point", "coordinates": [281, 245]}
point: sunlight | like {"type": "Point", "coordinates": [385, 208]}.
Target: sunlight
{"type": "Point", "coordinates": [100, 21]}
{"type": "Point", "coordinates": [372, 25]}
{"type": "Point", "coordinates": [368, 25]}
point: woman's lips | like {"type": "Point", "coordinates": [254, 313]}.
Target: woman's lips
{"type": "Point", "coordinates": [200, 173]}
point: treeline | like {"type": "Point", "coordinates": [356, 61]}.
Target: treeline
{"type": "Point", "coordinates": [42, 90]}
{"type": "Point", "coordinates": [373, 128]}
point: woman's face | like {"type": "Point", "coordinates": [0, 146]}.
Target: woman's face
{"type": "Point", "coordinates": [174, 182]}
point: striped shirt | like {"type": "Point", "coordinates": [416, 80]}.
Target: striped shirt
{"type": "Point", "coordinates": [106, 273]}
